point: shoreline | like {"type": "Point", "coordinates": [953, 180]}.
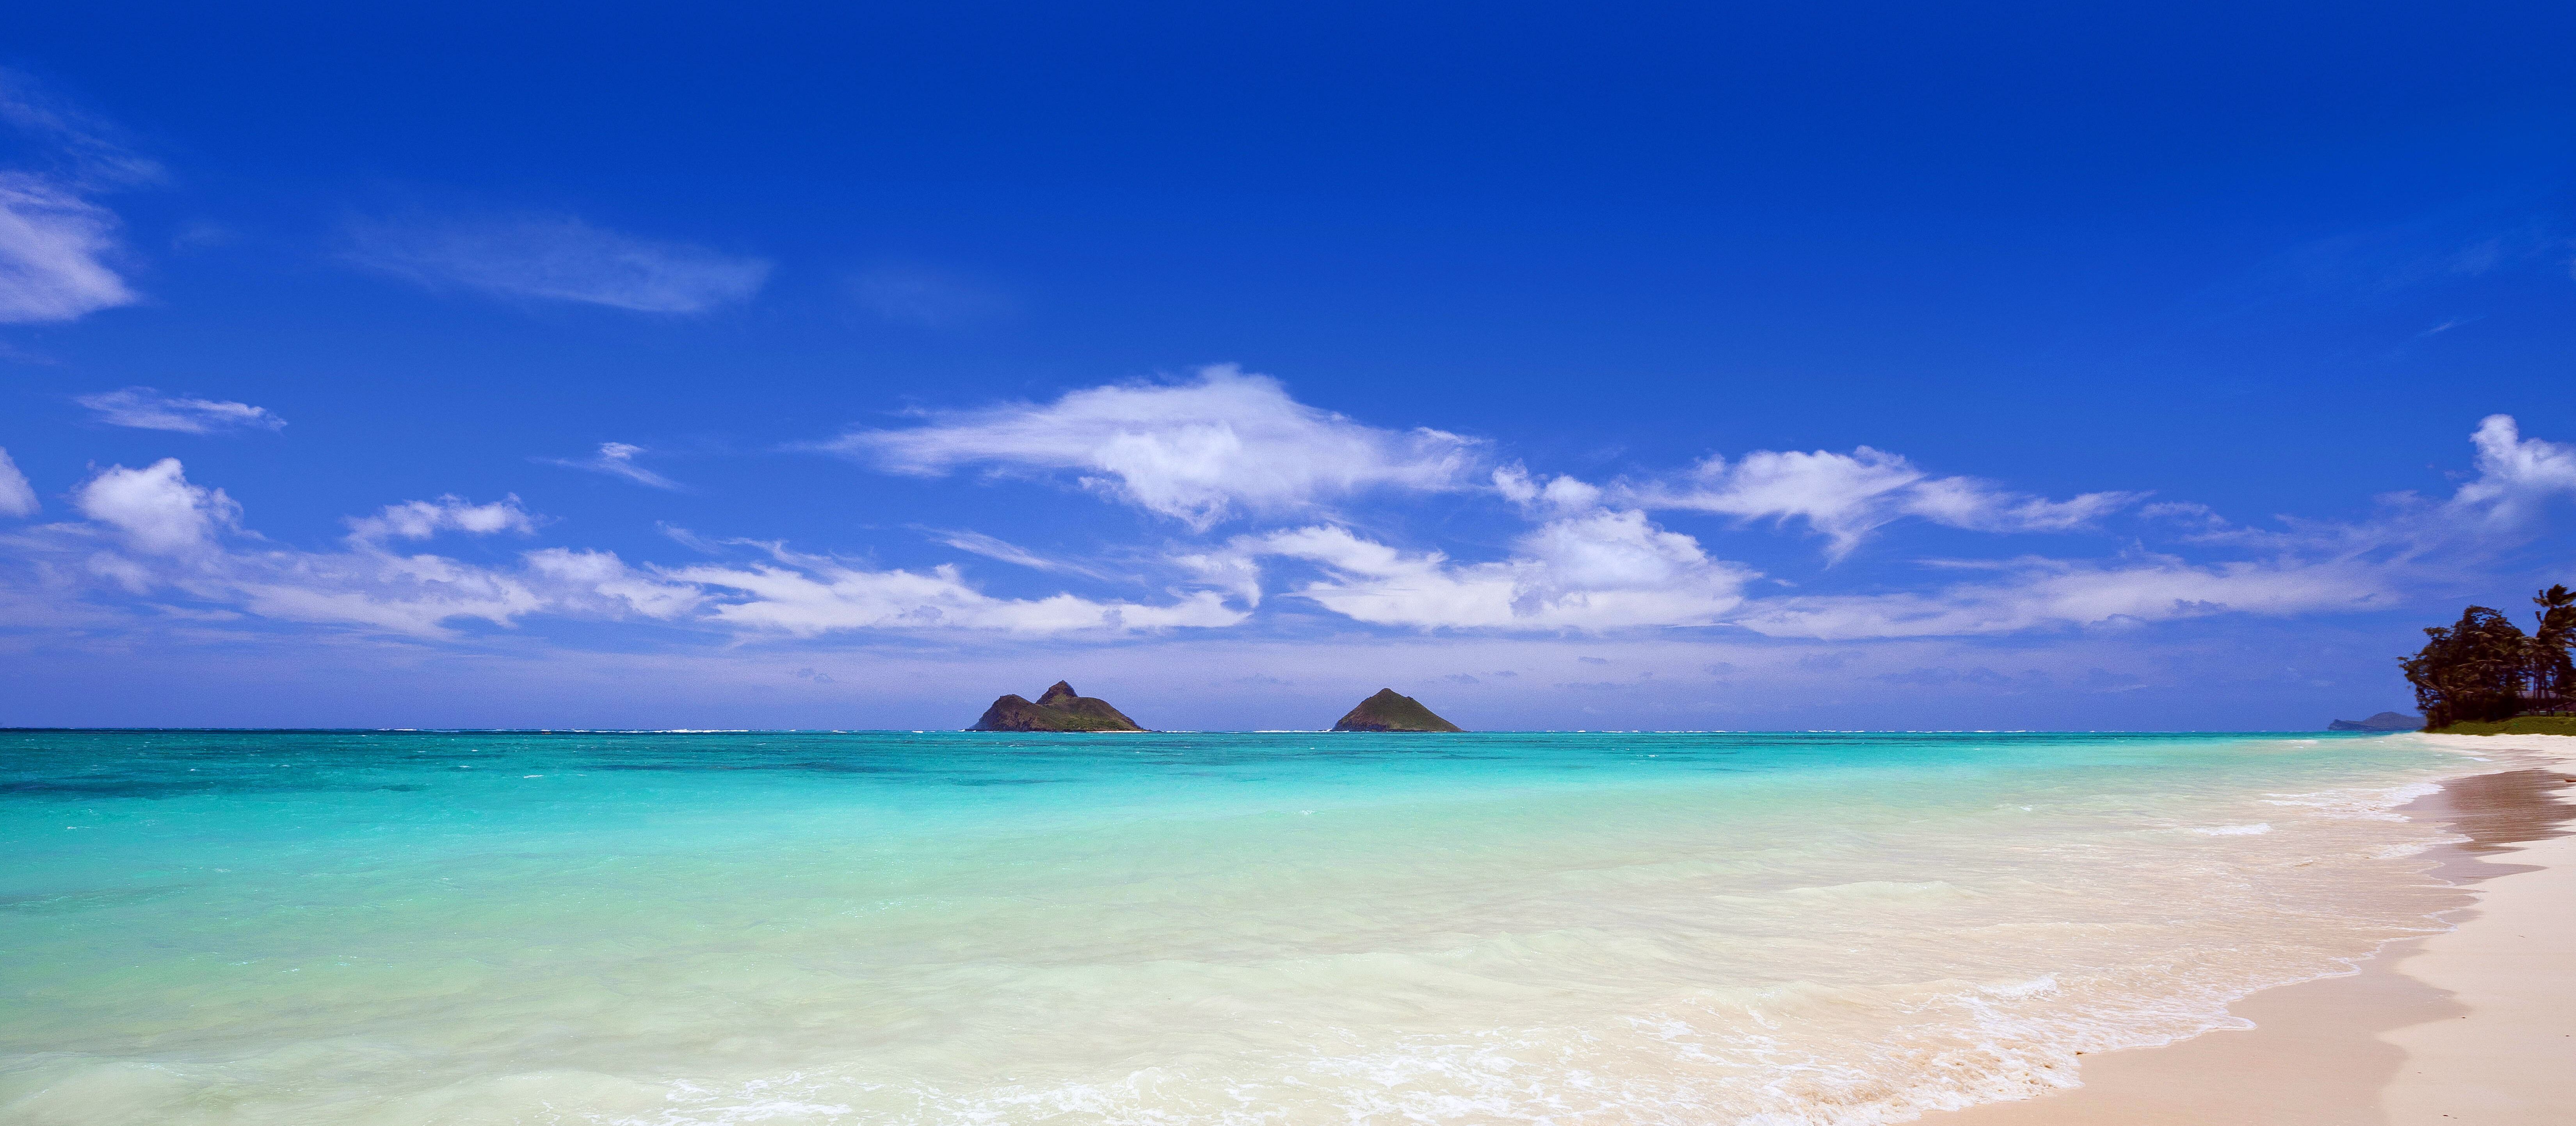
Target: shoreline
{"type": "Point", "coordinates": [2473, 1024]}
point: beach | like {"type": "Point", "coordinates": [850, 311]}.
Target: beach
{"type": "Point", "coordinates": [2472, 1025]}
{"type": "Point", "coordinates": [239, 928]}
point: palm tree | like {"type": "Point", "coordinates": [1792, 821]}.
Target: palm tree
{"type": "Point", "coordinates": [2485, 669]}
{"type": "Point", "coordinates": [2475, 670]}
{"type": "Point", "coordinates": [2552, 671]}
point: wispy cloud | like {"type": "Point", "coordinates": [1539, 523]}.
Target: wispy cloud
{"type": "Point", "coordinates": [17, 497]}
{"type": "Point", "coordinates": [2411, 544]}
{"type": "Point", "coordinates": [1596, 570]}
{"type": "Point", "coordinates": [57, 244]}
{"type": "Point", "coordinates": [1845, 497]}
{"type": "Point", "coordinates": [1233, 444]}
{"type": "Point", "coordinates": [1587, 560]}
{"type": "Point", "coordinates": [2045, 594]}
{"type": "Point", "coordinates": [2518, 481]}
{"type": "Point", "coordinates": [83, 146]}
{"type": "Point", "coordinates": [807, 596]}
{"type": "Point", "coordinates": [422, 519]}
{"type": "Point", "coordinates": [2469, 239]}
{"type": "Point", "coordinates": [1595, 560]}
{"type": "Point", "coordinates": [143, 408]}
{"type": "Point", "coordinates": [153, 533]}
{"type": "Point", "coordinates": [688, 539]}
{"type": "Point", "coordinates": [617, 459]}
{"type": "Point", "coordinates": [557, 258]}
{"type": "Point", "coordinates": [1199, 451]}
{"type": "Point", "coordinates": [977, 543]}
{"type": "Point", "coordinates": [54, 252]}
{"type": "Point", "coordinates": [1590, 567]}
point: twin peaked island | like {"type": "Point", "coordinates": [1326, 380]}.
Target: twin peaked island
{"type": "Point", "coordinates": [1063, 709]}
{"type": "Point", "coordinates": [1060, 709]}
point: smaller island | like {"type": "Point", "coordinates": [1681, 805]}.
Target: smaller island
{"type": "Point", "coordinates": [1388, 711]}
{"type": "Point", "coordinates": [2384, 721]}
{"type": "Point", "coordinates": [1059, 709]}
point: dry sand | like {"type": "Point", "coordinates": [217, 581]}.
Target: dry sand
{"type": "Point", "coordinates": [2476, 1025]}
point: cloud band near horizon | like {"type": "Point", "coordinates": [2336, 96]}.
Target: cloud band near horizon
{"type": "Point", "coordinates": [1230, 447]}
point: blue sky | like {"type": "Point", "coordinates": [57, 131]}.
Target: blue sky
{"type": "Point", "coordinates": [1858, 366]}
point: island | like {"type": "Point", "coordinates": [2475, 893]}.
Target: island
{"type": "Point", "coordinates": [2384, 721]}
{"type": "Point", "coordinates": [1388, 711]}
{"type": "Point", "coordinates": [1060, 709]}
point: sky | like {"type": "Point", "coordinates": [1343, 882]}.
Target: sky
{"type": "Point", "coordinates": [1606, 367]}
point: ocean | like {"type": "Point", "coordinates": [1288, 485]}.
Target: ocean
{"type": "Point", "coordinates": [874, 927]}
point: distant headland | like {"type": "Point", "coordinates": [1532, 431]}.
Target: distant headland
{"type": "Point", "coordinates": [2384, 721]}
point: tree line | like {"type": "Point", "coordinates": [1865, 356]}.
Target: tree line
{"type": "Point", "coordinates": [2485, 668]}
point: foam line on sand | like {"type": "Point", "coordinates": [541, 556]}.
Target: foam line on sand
{"type": "Point", "coordinates": [2472, 1025]}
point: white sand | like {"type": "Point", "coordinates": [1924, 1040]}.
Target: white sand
{"type": "Point", "coordinates": [2476, 1025]}
{"type": "Point", "coordinates": [2511, 1058]}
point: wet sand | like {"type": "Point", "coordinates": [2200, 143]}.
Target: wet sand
{"type": "Point", "coordinates": [2476, 1025]}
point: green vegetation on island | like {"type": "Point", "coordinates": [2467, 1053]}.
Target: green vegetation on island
{"type": "Point", "coordinates": [2484, 676]}
{"type": "Point", "coordinates": [1060, 709]}
{"type": "Point", "coordinates": [1388, 711]}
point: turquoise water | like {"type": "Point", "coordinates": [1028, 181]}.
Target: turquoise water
{"type": "Point", "coordinates": [418, 927]}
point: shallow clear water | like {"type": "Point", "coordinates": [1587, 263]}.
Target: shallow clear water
{"type": "Point", "coordinates": [397, 927]}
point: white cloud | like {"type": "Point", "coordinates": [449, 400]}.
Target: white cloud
{"type": "Point", "coordinates": [2189, 515]}
{"type": "Point", "coordinates": [560, 259]}
{"type": "Point", "coordinates": [1558, 494]}
{"type": "Point", "coordinates": [2517, 477]}
{"type": "Point", "coordinates": [617, 459]}
{"type": "Point", "coordinates": [1581, 564]}
{"type": "Point", "coordinates": [1845, 497]}
{"type": "Point", "coordinates": [2312, 566]}
{"type": "Point", "coordinates": [86, 147]}
{"type": "Point", "coordinates": [143, 408]}
{"type": "Point", "coordinates": [1592, 568]}
{"type": "Point", "coordinates": [1596, 570]}
{"type": "Point", "coordinates": [173, 532]}
{"type": "Point", "coordinates": [152, 531]}
{"type": "Point", "coordinates": [600, 583]}
{"type": "Point", "coordinates": [992, 548]}
{"type": "Point", "coordinates": [1842, 496]}
{"type": "Point", "coordinates": [54, 252]}
{"type": "Point", "coordinates": [806, 596]}
{"type": "Point", "coordinates": [417, 594]}
{"type": "Point", "coordinates": [56, 244]}
{"type": "Point", "coordinates": [156, 510]}
{"type": "Point", "coordinates": [17, 497]}
{"type": "Point", "coordinates": [1198, 452]}
{"type": "Point", "coordinates": [421, 519]}
{"type": "Point", "coordinates": [1965, 502]}
{"type": "Point", "coordinates": [422, 595]}
{"type": "Point", "coordinates": [2058, 594]}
